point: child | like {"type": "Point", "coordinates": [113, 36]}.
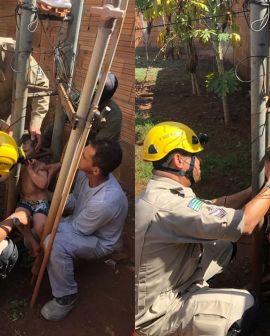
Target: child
{"type": "Point", "coordinates": [34, 199]}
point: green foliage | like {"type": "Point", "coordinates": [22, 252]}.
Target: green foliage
{"type": "Point", "coordinates": [215, 164]}
{"type": "Point", "coordinates": [144, 74]}
{"type": "Point", "coordinates": [203, 34]}
{"type": "Point", "coordinates": [142, 125]}
{"type": "Point", "coordinates": [223, 37]}
{"type": "Point", "coordinates": [222, 84]}
{"type": "Point", "coordinates": [143, 5]}
{"type": "Point", "coordinates": [200, 5]}
{"type": "Point", "coordinates": [143, 170]}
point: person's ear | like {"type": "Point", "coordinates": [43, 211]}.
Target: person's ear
{"type": "Point", "coordinates": [177, 160]}
{"type": "Point", "coordinates": [96, 171]}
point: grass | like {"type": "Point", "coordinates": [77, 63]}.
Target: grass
{"type": "Point", "coordinates": [215, 163]}
{"type": "Point", "coordinates": [221, 164]}
{"type": "Point", "coordinates": [143, 169]}
{"type": "Point", "coordinates": [143, 120]}
{"type": "Point", "coordinates": [150, 75]}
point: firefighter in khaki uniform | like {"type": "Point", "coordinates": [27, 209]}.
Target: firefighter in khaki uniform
{"type": "Point", "coordinates": [182, 241]}
{"type": "Point", "coordinates": [40, 105]}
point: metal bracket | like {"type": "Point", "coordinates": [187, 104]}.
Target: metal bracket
{"type": "Point", "coordinates": [77, 122]}
{"type": "Point", "coordinates": [65, 102]}
{"type": "Point", "coordinates": [107, 12]}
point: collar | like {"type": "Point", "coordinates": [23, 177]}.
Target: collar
{"type": "Point", "coordinates": [173, 185]}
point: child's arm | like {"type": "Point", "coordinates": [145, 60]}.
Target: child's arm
{"type": "Point", "coordinates": [52, 169]}
{"type": "Point", "coordinates": [38, 175]}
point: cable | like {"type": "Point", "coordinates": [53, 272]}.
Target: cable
{"type": "Point", "coordinates": [250, 26]}
{"type": "Point", "coordinates": [34, 23]}
{"type": "Point", "coordinates": [265, 18]}
{"type": "Point", "coordinates": [240, 62]}
{"type": "Point", "coordinates": [192, 20]}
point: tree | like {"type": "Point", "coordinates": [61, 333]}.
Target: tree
{"type": "Point", "coordinates": [178, 17]}
{"type": "Point", "coordinates": [218, 29]}
{"type": "Point", "coordinates": [143, 6]}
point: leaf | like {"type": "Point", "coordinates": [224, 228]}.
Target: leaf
{"type": "Point", "coordinates": [222, 84]}
{"type": "Point", "coordinates": [200, 5]}
{"type": "Point", "coordinates": [223, 37]}
{"type": "Point", "coordinates": [203, 34]}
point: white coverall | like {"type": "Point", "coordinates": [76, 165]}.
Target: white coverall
{"type": "Point", "coordinates": [92, 231]}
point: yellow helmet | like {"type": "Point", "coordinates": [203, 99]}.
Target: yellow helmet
{"type": "Point", "coordinates": [167, 136]}
{"type": "Point", "coordinates": [10, 154]}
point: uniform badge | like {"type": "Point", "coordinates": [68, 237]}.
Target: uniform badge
{"type": "Point", "coordinates": [216, 211]}
{"type": "Point", "coordinates": [40, 72]}
{"type": "Point", "coordinates": [195, 204]}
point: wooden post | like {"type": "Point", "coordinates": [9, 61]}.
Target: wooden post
{"type": "Point", "coordinates": [109, 12]}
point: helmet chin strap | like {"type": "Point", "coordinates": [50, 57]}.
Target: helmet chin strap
{"type": "Point", "coordinates": [180, 172]}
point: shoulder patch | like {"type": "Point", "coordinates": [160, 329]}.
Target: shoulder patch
{"type": "Point", "coordinates": [40, 72]}
{"type": "Point", "coordinates": [195, 204]}
{"type": "Point", "coordinates": [216, 211]}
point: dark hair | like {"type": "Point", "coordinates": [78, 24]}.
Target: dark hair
{"type": "Point", "coordinates": [165, 162]}
{"type": "Point", "coordinates": [108, 155]}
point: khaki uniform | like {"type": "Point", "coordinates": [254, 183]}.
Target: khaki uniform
{"type": "Point", "coordinates": [36, 77]}
{"type": "Point", "coordinates": [181, 242]}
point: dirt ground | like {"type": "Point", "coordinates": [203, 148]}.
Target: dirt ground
{"type": "Point", "coordinates": [106, 296]}
{"type": "Point", "coordinates": [171, 99]}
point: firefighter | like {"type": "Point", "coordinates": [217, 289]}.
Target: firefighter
{"type": "Point", "coordinates": [36, 77]}
{"type": "Point", "coordinates": [182, 241]}
{"type": "Point", "coordinates": [10, 155]}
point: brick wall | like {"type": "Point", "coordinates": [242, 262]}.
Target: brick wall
{"type": "Point", "coordinates": [242, 50]}
{"type": "Point", "coordinates": [139, 36]}
{"type": "Point", "coordinates": [46, 36]}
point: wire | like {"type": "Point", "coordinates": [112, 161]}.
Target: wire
{"type": "Point", "coordinates": [16, 121]}
{"type": "Point", "coordinates": [192, 20]}
{"type": "Point", "coordinates": [240, 62]}
{"type": "Point", "coordinates": [34, 23]}
{"type": "Point", "coordinates": [265, 18]}
{"type": "Point", "coordinates": [251, 25]}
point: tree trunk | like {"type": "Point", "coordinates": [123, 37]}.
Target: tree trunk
{"type": "Point", "coordinates": [220, 67]}
{"type": "Point", "coordinates": [191, 66]}
{"type": "Point", "coordinates": [193, 84]}
{"type": "Point", "coordinates": [146, 35]}
{"type": "Point", "coordinates": [226, 112]}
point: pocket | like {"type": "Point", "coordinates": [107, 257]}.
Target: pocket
{"type": "Point", "coordinates": [209, 325]}
{"type": "Point", "coordinates": [211, 318]}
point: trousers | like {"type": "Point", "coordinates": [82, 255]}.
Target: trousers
{"type": "Point", "coordinates": [204, 311]}
{"type": "Point", "coordinates": [68, 246]}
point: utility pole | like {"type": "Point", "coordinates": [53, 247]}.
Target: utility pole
{"type": "Point", "coordinates": [70, 50]}
{"type": "Point", "coordinates": [23, 52]}
{"type": "Point", "coordinates": [259, 17]}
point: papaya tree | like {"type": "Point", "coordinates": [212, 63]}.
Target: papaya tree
{"type": "Point", "coordinates": [178, 17]}
{"type": "Point", "coordinates": [217, 28]}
